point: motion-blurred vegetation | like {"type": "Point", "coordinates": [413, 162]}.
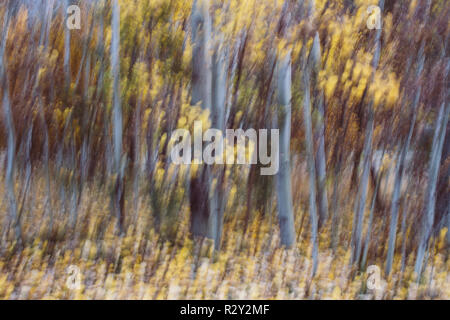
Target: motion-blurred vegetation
{"type": "Point", "coordinates": [86, 177]}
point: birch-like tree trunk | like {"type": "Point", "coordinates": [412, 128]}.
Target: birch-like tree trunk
{"type": "Point", "coordinates": [10, 160]}
{"type": "Point", "coordinates": [137, 157]}
{"type": "Point", "coordinates": [366, 159]}
{"type": "Point", "coordinates": [404, 232]}
{"type": "Point", "coordinates": [46, 23]}
{"type": "Point", "coordinates": [201, 56]}
{"type": "Point", "coordinates": [320, 159]}
{"type": "Point", "coordinates": [400, 170]}
{"type": "Point", "coordinates": [219, 89]}
{"type": "Point", "coordinates": [117, 116]}
{"type": "Point", "coordinates": [201, 93]}
{"type": "Point", "coordinates": [67, 36]}
{"type": "Point", "coordinates": [371, 214]}
{"type": "Point", "coordinates": [362, 192]}
{"type": "Point", "coordinates": [430, 196]}
{"type": "Point", "coordinates": [311, 166]}
{"type": "Point", "coordinates": [448, 223]}
{"type": "Point", "coordinates": [284, 186]}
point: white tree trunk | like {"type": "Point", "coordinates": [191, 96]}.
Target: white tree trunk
{"type": "Point", "coordinates": [360, 205]}
{"type": "Point", "coordinates": [219, 89]}
{"type": "Point", "coordinates": [10, 160]}
{"type": "Point", "coordinates": [201, 222]}
{"type": "Point", "coordinates": [315, 63]}
{"type": "Point", "coordinates": [311, 167]}
{"type": "Point", "coordinates": [430, 196]}
{"type": "Point", "coordinates": [362, 192]}
{"type": "Point", "coordinates": [115, 66]}
{"type": "Point", "coordinates": [67, 35]}
{"type": "Point", "coordinates": [284, 190]}
{"type": "Point", "coordinates": [201, 56]}
{"type": "Point", "coordinates": [117, 113]}
{"type": "Point", "coordinates": [399, 173]}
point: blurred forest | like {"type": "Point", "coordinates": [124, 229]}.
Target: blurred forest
{"type": "Point", "coordinates": [86, 178]}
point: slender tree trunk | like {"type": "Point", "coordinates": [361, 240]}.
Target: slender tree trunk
{"type": "Point", "coordinates": [321, 168]}
{"type": "Point", "coordinates": [372, 209]}
{"type": "Point", "coordinates": [430, 197]}
{"type": "Point", "coordinates": [399, 173]}
{"type": "Point", "coordinates": [400, 169]}
{"type": "Point", "coordinates": [137, 157]}
{"type": "Point", "coordinates": [362, 192]}
{"type": "Point", "coordinates": [86, 42]}
{"type": "Point", "coordinates": [201, 220]}
{"type": "Point", "coordinates": [448, 224]}
{"type": "Point", "coordinates": [46, 23]}
{"type": "Point", "coordinates": [311, 167]}
{"type": "Point", "coordinates": [10, 160]}
{"type": "Point", "coordinates": [117, 117]}
{"type": "Point", "coordinates": [406, 206]}
{"type": "Point", "coordinates": [219, 89]}
{"type": "Point", "coordinates": [67, 36]}
{"type": "Point", "coordinates": [320, 159]}
{"type": "Point", "coordinates": [201, 56]}
{"type": "Point", "coordinates": [335, 197]}
{"type": "Point", "coordinates": [366, 159]}
{"type": "Point", "coordinates": [26, 152]}
{"type": "Point", "coordinates": [284, 189]}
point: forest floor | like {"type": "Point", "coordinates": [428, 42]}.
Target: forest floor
{"type": "Point", "coordinates": [90, 262]}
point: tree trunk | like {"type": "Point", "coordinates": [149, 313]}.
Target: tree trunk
{"type": "Point", "coordinates": [117, 117]}
{"type": "Point", "coordinates": [219, 89]}
{"type": "Point", "coordinates": [399, 173]}
{"type": "Point", "coordinates": [322, 196]}
{"type": "Point", "coordinates": [311, 167]}
{"type": "Point", "coordinates": [362, 192]}
{"type": "Point", "coordinates": [430, 196]}
{"type": "Point", "coordinates": [366, 159]}
{"type": "Point", "coordinates": [201, 93]}
{"type": "Point", "coordinates": [67, 35]}
{"type": "Point", "coordinates": [400, 168]}
{"type": "Point", "coordinates": [284, 190]}
{"type": "Point", "coordinates": [372, 209]}
{"type": "Point", "coordinates": [10, 162]}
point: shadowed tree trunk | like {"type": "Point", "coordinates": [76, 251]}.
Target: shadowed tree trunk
{"type": "Point", "coordinates": [371, 214]}
{"type": "Point", "coordinates": [443, 198]}
{"type": "Point", "coordinates": [11, 145]}
{"type": "Point", "coordinates": [362, 192]}
{"type": "Point", "coordinates": [430, 196]}
{"type": "Point", "coordinates": [219, 89]}
{"type": "Point", "coordinates": [117, 119]}
{"type": "Point", "coordinates": [320, 159]}
{"type": "Point", "coordinates": [366, 159]}
{"type": "Point", "coordinates": [201, 93]}
{"type": "Point", "coordinates": [400, 170]}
